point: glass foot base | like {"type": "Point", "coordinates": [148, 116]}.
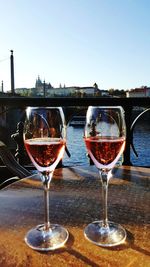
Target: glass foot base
{"type": "Point", "coordinates": [39, 239]}
{"type": "Point", "coordinates": [110, 236]}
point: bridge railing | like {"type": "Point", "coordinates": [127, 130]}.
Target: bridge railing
{"type": "Point", "coordinates": [127, 103]}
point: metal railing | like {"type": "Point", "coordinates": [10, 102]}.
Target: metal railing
{"type": "Point", "coordinates": [127, 103]}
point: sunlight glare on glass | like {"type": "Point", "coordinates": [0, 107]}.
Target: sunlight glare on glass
{"type": "Point", "coordinates": [28, 111]}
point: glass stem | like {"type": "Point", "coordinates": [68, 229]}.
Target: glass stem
{"type": "Point", "coordinates": [104, 180]}
{"type": "Point", "coordinates": [46, 184]}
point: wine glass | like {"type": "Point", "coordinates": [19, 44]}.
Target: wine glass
{"type": "Point", "coordinates": [45, 139]}
{"type": "Point", "coordinates": [104, 136]}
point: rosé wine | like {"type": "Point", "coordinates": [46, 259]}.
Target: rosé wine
{"type": "Point", "coordinates": [44, 152]}
{"type": "Point", "coordinates": [105, 151]}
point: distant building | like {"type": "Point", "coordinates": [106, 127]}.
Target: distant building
{"type": "Point", "coordinates": [143, 91]}
{"type": "Point", "coordinates": [23, 91]}
{"type": "Point", "coordinates": [72, 91]}
{"type": "Point", "coordinates": [42, 89]}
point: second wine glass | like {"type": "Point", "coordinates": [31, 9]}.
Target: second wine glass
{"type": "Point", "coordinates": [45, 140]}
{"type": "Point", "coordinates": [104, 137]}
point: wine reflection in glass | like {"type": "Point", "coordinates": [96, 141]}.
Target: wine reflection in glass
{"type": "Point", "coordinates": [104, 136]}
{"type": "Point", "coordinates": [45, 139]}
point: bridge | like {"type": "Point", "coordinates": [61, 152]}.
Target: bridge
{"type": "Point", "coordinates": [79, 105]}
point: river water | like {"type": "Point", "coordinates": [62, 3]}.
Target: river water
{"type": "Point", "coordinates": [76, 146]}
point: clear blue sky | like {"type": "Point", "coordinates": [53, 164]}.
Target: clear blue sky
{"type": "Point", "coordinates": [76, 42]}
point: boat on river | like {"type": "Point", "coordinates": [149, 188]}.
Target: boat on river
{"type": "Point", "coordinates": [77, 121]}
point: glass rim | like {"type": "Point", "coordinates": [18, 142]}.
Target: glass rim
{"type": "Point", "coordinates": [105, 107]}
{"type": "Point", "coordinates": [43, 107]}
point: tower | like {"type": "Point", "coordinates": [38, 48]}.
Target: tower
{"type": "Point", "coordinates": [12, 72]}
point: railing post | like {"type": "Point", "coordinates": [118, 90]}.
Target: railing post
{"type": "Point", "coordinates": [128, 114]}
